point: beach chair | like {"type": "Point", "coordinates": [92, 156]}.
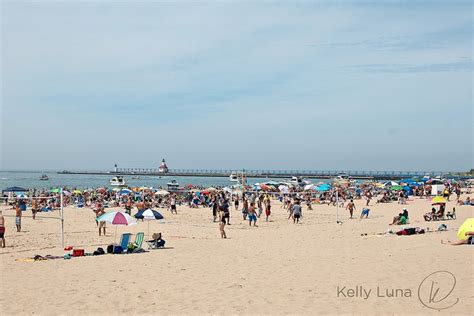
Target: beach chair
{"type": "Point", "coordinates": [124, 240]}
{"type": "Point", "coordinates": [138, 241]}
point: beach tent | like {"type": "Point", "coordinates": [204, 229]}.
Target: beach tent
{"type": "Point", "coordinates": [437, 189]}
{"type": "Point", "coordinates": [14, 189]}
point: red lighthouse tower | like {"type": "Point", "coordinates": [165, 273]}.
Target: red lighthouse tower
{"type": "Point", "coordinates": [163, 167]}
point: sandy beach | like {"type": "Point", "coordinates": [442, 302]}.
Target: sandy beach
{"type": "Point", "coordinates": [278, 267]}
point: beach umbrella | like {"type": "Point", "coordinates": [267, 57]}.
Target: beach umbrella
{"type": "Point", "coordinates": [77, 192]}
{"type": "Point", "coordinates": [125, 191]}
{"type": "Point", "coordinates": [309, 187]}
{"type": "Point", "coordinates": [56, 190]}
{"type": "Point", "coordinates": [211, 189]}
{"type": "Point", "coordinates": [467, 226]}
{"type": "Point", "coordinates": [265, 187]}
{"type": "Point", "coordinates": [149, 215]}
{"type": "Point", "coordinates": [438, 200]}
{"type": "Point", "coordinates": [67, 193]}
{"type": "Point", "coordinates": [162, 192]}
{"type": "Point", "coordinates": [284, 189]}
{"type": "Point", "coordinates": [397, 188]}
{"type": "Point", "coordinates": [117, 218]}
{"type": "Point", "coordinates": [390, 184]}
{"type": "Point", "coordinates": [21, 195]}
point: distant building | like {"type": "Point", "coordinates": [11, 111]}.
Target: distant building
{"type": "Point", "coordinates": [115, 168]}
{"type": "Point", "coordinates": [163, 167]}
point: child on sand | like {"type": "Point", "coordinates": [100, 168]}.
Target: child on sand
{"type": "Point", "coordinates": [365, 213]}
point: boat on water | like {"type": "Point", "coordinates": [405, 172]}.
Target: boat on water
{"type": "Point", "coordinates": [44, 177]}
{"type": "Point", "coordinates": [298, 181]}
{"type": "Point", "coordinates": [173, 185]}
{"type": "Point", "coordinates": [117, 182]}
{"type": "Point", "coordinates": [233, 177]}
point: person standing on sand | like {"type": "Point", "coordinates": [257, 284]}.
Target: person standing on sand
{"type": "Point", "coordinates": [252, 215]}
{"type": "Point", "coordinates": [2, 229]}
{"type": "Point", "coordinates": [99, 212]}
{"type": "Point", "coordinates": [267, 207]}
{"type": "Point", "coordinates": [297, 212]}
{"type": "Point", "coordinates": [351, 206]}
{"type": "Point", "coordinates": [34, 208]}
{"type": "Point", "coordinates": [222, 220]}
{"type": "Point", "coordinates": [236, 202]}
{"type": "Point", "coordinates": [18, 217]}
{"type": "Point", "coordinates": [245, 209]}
{"type": "Point", "coordinates": [369, 197]}
{"type": "Point", "coordinates": [225, 208]}
{"type": "Point", "coordinates": [173, 205]}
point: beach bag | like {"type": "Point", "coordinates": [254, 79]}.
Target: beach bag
{"type": "Point", "coordinates": [118, 250]}
{"type": "Point", "coordinates": [110, 249]}
{"type": "Point", "coordinates": [78, 252]}
{"type": "Point", "coordinates": [99, 251]}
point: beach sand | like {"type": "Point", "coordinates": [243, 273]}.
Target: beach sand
{"type": "Point", "coordinates": [278, 267]}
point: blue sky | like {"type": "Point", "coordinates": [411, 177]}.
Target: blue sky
{"type": "Point", "coordinates": [269, 84]}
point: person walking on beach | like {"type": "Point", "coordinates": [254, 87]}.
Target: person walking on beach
{"type": "Point", "coordinates": [268, 207]}
{"type": "Point", "coordinates": [245, 209]}
{"type": "Point", "coordinates": [368, 196]}
{"type": "Point", "coordinates": [252, 215]}
{"type": "Point", "coordinates": [18, 217]}
{"type": "Point", "coordinates": [225, 208]}
{"type": "Point", "coordinates": [222, 221]}
{"type": "Point", "coordinates": [297, 212]}
{"type": "Point", "coordinates": [173, 205]}
{"type": "Point", "coordinates": [34, 208]}
{"type": "Point", "coordinates": [351, 207]}
{"type": "Point", "coordinates": [215, 207]}
{"type": "Point", "coordinates": [236, 202]}
{"type": "Point", "coordinates": [2, 229]}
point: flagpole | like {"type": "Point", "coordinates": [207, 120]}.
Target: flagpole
{"type": "Point", "coordinates": [62, 218]}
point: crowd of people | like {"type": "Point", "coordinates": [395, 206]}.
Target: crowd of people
{"type": "Point", "coordinates": [251, 204]}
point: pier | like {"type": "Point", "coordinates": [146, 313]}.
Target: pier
{"type": "Point", "coordinates": [286, 174]}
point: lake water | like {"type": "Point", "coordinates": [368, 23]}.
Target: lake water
{"type": "Point", "coordinates": [31, 180]}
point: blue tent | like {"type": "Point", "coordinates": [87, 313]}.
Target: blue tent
{"type": "Point", "coordinates": [14, 189]}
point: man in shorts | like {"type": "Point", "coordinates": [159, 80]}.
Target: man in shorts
{"type": "Point", "coordinates": [252, 215]}
{"type": "Point", "coordinates": [297, 211]}
{"type": "Point", "coordinates": [18, 217]}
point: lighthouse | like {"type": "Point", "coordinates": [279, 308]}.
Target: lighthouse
{"type": "Point", "coordinates": [163, 167]}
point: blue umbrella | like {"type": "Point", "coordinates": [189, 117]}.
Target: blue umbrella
{"type": "Point", "coordinates": [148, 214]}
